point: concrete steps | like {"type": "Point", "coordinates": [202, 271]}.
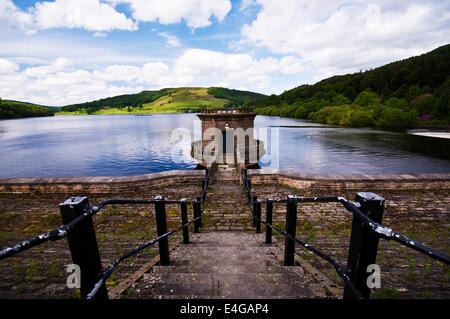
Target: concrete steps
{"type": "Point", "coordinates": [226, 173]}
{"type": "Point", "coordinates": [227, 265]}
{"type": "Point", "coordinates": [225, 260]}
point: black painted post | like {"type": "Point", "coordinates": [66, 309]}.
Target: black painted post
{"type": "Point", "coordinates": [161, 227]}
{"type": "Point", "coordinates": [249, 198]}
{"type": "Point", "coordinates": [83, 246]}
{"type": "Point", "coordinates": [291, 225]}
{"type": "Point", "coordinates": [184, 221]}
{"type": "Point", "coordinates": [363, 243]}
{"type": "Point", "coordinates": [255, 208]}
{"type": "Point", "coordinates": [269, 212]}
{"type": "Point", "coordinates": [247, 184]}
{"type": "Point", "coordinates": [200, 223]}
{"type": "Point", "coordinates": [258, 215]}
{"type": "Point", "coordinates": [203, 191]}
{"type": "Point", "coordinates": [196, 205]}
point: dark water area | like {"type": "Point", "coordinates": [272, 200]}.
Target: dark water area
{"type": "Point", "coordinates": [116, 145]}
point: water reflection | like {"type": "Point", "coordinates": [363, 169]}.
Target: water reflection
{"type": "Point", "coordinates": [351, 150]}
{"type": "Point", "coordinates": [114, 145]}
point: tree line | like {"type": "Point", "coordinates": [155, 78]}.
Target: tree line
{"type": "Point", "coordinates": [120, 101]}
{"type": "Point", "coordinates": [402, 94]}
{"type": "Point", "coordinates": [237, 98]}
{"type": "Point", "coordinates": [15, 110]}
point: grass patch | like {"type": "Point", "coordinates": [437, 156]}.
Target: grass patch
{"type": "Point", "coordinates": [387, 293]}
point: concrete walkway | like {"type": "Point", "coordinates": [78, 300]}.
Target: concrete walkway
{"type": "Point", "coordinates": [227, 265]}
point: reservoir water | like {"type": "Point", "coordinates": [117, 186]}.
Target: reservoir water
{"type": "Point", "coordinates": [116, 145]}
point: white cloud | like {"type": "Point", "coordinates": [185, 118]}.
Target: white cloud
{"type": "Point", "coordinates": [101, 16]}
{"type": "Point", "coordinates": [7, 67]}
{"type": "Point", "coordinates": [10, 15]}
{"type": "Point", "coordinates": [291, 64]}
{"type": "Point", "coordinates": [338, 37]}
{"type": "Point", "coordinates": [171, 40]}
{"type": "Point", "coordinates": [100, 34]}
{"type": "Point", "coordinates": [229, 70]}
{"type": "Point", "coordinates": [245, 4]}
{"type": "Point", "coordinates": [63, 82]}
{"type": "Point", "coordinates": [60, 64]}
{"type": "Point", "coordinates": [196, 13]}
{"type": "Point", "coordinates": [125, 73]}
{"type": "Point", "coordinates": [91, 15]}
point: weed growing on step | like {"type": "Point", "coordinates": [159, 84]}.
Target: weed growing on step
{"type": "Point", "coordinates": [387, 293]}
{"type": "Point", "coordinates": [32, 270]}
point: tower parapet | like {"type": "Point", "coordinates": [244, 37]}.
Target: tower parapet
{"type": "Point", "coordinates": [231, 133]}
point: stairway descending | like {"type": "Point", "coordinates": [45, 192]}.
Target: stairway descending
{"type": "Point", "coordinates": [226, 208]}
{"type": "Point", "coordinates": [227, 265]}
{"type": "Point", "coordinates": [226, 260]}
{"type": "Point", "coordinates": [226, 204]}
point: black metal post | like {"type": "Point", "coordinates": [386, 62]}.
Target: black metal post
{"type": "Point", "coordinates": [255, 208]}
{"type": "Point", "coordinates": [203, 191]}
{"type": "Point", "coordinates": [258, 215]}
{"type": "Point", "coordinates": [200, 223]}
{"type": "Point", "coordinates": [196, 205]}
{"type": "Point", "coordinates": [83, 246]}
{"type": "Point", "coordinates": [248, 191]}
{"type": "Point", "coordinates": [208, 171]}
{"type": "Point", "coordinates": [161, 227]}
{"type": "Point", "coordinates": [291, 225]}
{"type": "Point", "coordinates": [247, 185]}
{"type": "Point", "coordinates": [363, 243]}
{"type": "Point", "coordinates": [184, 221]}
{"type": "Point", "coordinates": [269, 211]}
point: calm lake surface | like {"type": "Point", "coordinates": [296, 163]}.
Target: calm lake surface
{"type": "Point", "coordinates": [115, 145]}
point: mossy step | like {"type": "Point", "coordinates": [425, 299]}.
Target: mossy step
{"type": "Point", "coordinates": [237, 285]}
{"type": "Point", "coordinates": [208, 278]}
{"type": "Point", "coordinates": [192, 291]}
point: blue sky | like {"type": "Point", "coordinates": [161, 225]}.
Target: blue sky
{"type": "Point", "coordinates": [67, 51]}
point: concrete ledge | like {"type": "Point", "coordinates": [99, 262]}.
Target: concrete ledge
{"type": "Point", "coordinates": [349, 181]}
{"type": "Point", "coordinates": [99, 184]}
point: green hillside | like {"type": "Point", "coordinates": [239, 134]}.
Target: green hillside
{"type": "Point", "coordinates": [16, 109]}
{"type": "Point", "coordinates": [170, 100]}
{"type": "Point", "coordinates": [400, 94]}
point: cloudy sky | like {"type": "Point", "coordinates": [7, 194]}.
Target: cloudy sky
{"type": "Point", "coordinates": [68, 51]}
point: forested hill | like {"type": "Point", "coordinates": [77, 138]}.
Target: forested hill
{"type": "Point", "coordinates": [169, 100]}
{"type": "Point", "coordinates": [16, 109]}
{"type": "Point", "coordinates": [236, 97]}
{"type": "Point", "coordinates": [403, 93]}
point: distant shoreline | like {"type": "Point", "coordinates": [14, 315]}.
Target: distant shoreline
{"type": "Point", "coordinates": [433, 130]}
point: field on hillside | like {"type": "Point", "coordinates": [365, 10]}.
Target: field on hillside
{"type": "Point", "coordinates": [178, 100]}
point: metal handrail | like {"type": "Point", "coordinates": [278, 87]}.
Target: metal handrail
{"type": "Point", "coordinates": [342, 272]}
{"type": "Point", "coordinates": [108, 271]}
{"type": "Point", "coordinates": [375, 228]}
{"type": "Point", "coordinates": [64, 230]}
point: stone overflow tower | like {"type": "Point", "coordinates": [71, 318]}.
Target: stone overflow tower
{"type": "Point", "coordinates": [227, 138]}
